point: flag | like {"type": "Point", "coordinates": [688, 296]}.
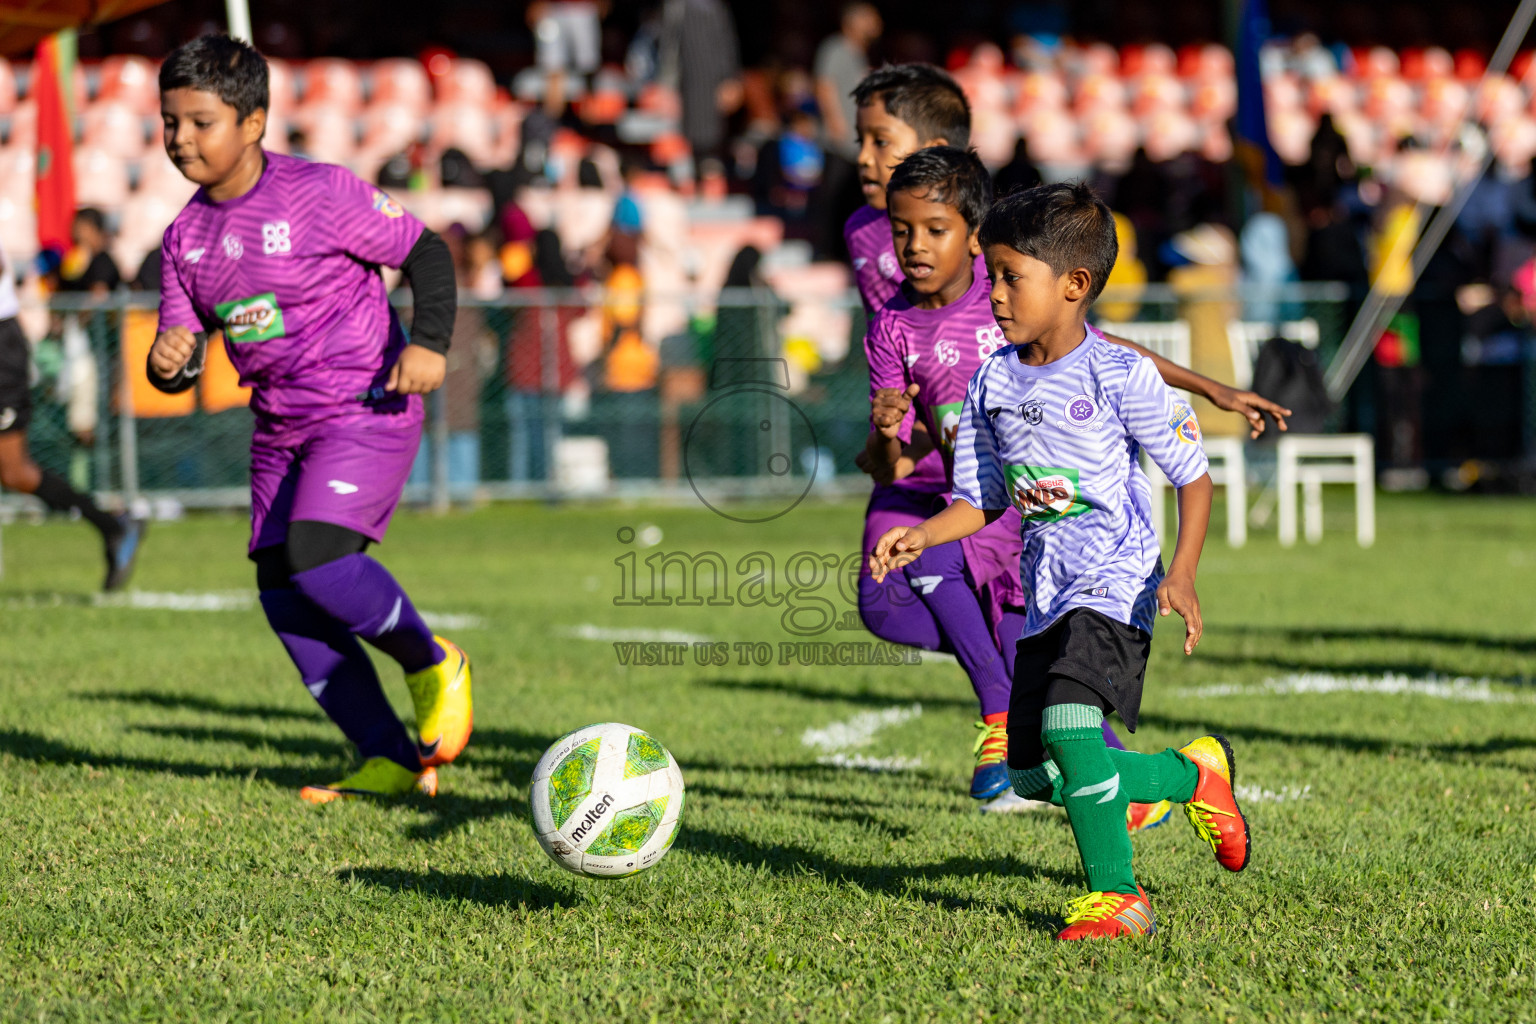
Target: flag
{"type": "Point", "coordinates": [1258, 156]}
{"type": "Point", "coordinates": [54, 74]}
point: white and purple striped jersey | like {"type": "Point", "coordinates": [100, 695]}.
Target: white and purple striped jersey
{"type": "Point", "coordinates": [1059, 443]}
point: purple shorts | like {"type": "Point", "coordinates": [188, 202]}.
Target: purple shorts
{"type": "Point", "coordinates": [348, 472]}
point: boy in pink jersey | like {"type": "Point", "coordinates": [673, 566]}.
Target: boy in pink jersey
{"type": "Point", "coordinates": [283, 256]}
{"type": "Point", "coordinates": [926, 343]}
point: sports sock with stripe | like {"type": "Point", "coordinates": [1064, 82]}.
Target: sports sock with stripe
{"type": "Point", "coordinates": [366, 598]}
{"type": "Point", "coordinates": [1144, 778]}
{"type": "Point", "coordinates": [1092, 794]}
{"type": "Point", "coordinates": [336, 671]}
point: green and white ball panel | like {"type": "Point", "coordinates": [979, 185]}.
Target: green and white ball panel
{"type": "Point", "coordinates": [607, 800]}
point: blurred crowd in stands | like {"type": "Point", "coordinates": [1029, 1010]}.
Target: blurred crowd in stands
{"type": "Point", "coordinates": [660, 166]}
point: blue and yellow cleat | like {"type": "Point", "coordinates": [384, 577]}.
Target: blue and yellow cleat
{"type": "Point", "coordinates": [1140, 817]}
{"type": "Point", "coordinates": [378, 777]}
{"type": "Point", "coordinates": [991, 775]}
{"type": "Point", "coordinates": [123, 552]}
{"type": "Point", "coordinates": [445, 715]}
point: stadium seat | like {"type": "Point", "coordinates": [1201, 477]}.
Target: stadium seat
{"type": "Point", "coordinates": [330, 135]}
{"type": "Point", "coordinates": [142, 227]}
{"type": "Point", "coordinates": [114, 127]}
{"type": "Point", "coordinates": [101, 179]}
{"type": "Point", "coordinates": [399, 82]}
{"type": "Point", "coordinates": [23, 134]}
{"type": "Point", "coordinates": [281, 87]}
{"type": "Point", "coordinates": [18, 227]}
{"type": "Point", "coordinates": [336, 83]}
{"type": "Point", "coordinates": [8, 95]}
{"type": "Point", "coordinates": [1246, 337]}
{"type": "Point", "coordinates": [132, 81]}
{"type": "Point", "coordinates": [467, 81]}
{"type": "Point", "coordinates": [159, 179]}
{"type": "Point", "coordinates": [389, 126]}
{"type": "Point", "coordinates": [466, 126]}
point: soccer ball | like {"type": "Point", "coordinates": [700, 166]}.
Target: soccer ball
{"type": "Point", "coordinates": [607, 801]}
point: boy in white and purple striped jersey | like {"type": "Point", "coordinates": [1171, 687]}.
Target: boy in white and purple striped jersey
{"type": "Point", "coordinates": [1052, 426]}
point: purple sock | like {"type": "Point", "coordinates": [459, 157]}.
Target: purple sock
{"type": "Point", "coordinates": [337, 672]}
{"type": "Point", "coordinates": [894, 614]}
{"type": "Point", "coordinates": [365, 597]}
{"type": "Point", "coordinates": [938, 578]}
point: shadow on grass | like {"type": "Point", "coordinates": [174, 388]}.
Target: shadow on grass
{"type": "Point", "coordinates": [203, 705]}
{"type": "Point", "coordinates": [1293, 661]}
{"type": "Point", "coordinates": [490, 890]}
{"type": "Point", "coordinates": [306, 746]}
{"type": "Point", "coordinates": [1336, 741]}
{"type": "Point", "coordinates": [805, 691]}
{"type": "Point", "coordinates": [29, 746]}
{"type": "Point", "coordinates": [909, 882]}
{"type": "Point", "coordinates": [1397, 634]}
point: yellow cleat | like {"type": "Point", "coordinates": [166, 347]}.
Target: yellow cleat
{"type": "Point", "coordinates": [379, 777]}
{"type": "Point", "coordinates": [1214, 753]}
{"type": "Point", "coordinates": [444, 715]}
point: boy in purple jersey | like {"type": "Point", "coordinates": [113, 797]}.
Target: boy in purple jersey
{"type": "Point", "coordinates": [925, 343]}
{"type": "Point", "coordinates": [283, 256]}
{"type": "Point", "coordinates": [1051, 427]}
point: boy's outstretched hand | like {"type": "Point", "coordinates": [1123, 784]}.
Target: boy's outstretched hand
{"type": "Point", "coordinates": [898, 546]}
{"type": "Point", "coordinates": [171, 351]}
{"type": "Point", "coordinates": [888, 407]}
{"type": "Point", "coordinates": [418, 371]}
{"type": "Point", "coordinates": [1177, 593]}
{"type": "Point", "coordinates": [1250, 406]}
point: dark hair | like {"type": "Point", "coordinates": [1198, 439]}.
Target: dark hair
{"type": "Point", "coordinates": [1064, 226]}
{"type": "Point", "coordinates": [923, 97]}
{"type": "Point", "coordinates": [93, 217]}
{"type": "Point", "coordinates": [231, 69]}
{"type": "Point", "coordinates": [949, 175]}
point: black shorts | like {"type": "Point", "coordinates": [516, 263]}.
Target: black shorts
{"type": "Point", "coordinates": [15, 378]}
{"type": "Point", "coordinates": [1085, 657]}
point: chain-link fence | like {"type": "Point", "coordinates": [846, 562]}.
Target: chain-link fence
{"type": "Point", "coordinates": [556, 393]}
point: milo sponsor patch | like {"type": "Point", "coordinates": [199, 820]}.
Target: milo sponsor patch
{"type": "Point", "coordinates": [258, 318]}
{"type": "Point", "coordinates": [947, 417]}
{"type": "Point", "coordinates": [1045, 493]}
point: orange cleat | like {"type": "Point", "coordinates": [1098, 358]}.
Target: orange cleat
{"type": "Point", "coordinates": [1213, 810]}
{"type": "Point", "coordinates": [1109, 915]}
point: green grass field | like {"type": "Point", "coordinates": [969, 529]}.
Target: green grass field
{"type": "Point", "coordinates": [158, 865]}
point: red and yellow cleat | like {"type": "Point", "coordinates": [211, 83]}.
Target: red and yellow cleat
{"type": "Point", "coordinates": [378, 777]}
{"type": "Point", "coordinates": [1140, 817]}
{"type": "Point", "coordinates": [1213, 810]}
{"type": "Point", "coordinates": [445, 715]}
{"type": "Point", "coordinates": [1109, 915]}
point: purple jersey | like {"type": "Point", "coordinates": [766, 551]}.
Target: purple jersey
{"type": "Point", "coordinates": [939, 350]}
{"type": "Point", "coordinates": [875, 270]}
{"type": "Point", "coordinates": [289, 272]}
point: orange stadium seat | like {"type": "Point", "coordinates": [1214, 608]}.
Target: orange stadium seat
{"type": "Point", "coordinates": [400, 82]}
{"type": "Point", "coordinates": [334, 83]}
{"type": "Point", "coordinates": [281, 87]}
{"type": "Point", "coordinates": [133, 81]}
{"type": "Point", "coordinates": [101, 179]}
{"type": "Point", "coordinates": [467, 81]}
{"type": "Point", "coordinates": [466, 126]}
{"type": "Point", "coordinates": [23, 125]}
{"type": "Point", "coordinates": [114, 127]}
{"type": "Point", "coordinates": [7, 87]}
{"type": "Point", "coordinates": [330, 134]}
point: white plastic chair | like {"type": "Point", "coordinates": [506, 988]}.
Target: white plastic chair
{"type": "Point", "coordinates": [1312, 460]}
{"type": "Point", "coordinates": [1246, 337]}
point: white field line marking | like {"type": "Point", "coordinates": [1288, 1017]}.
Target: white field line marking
{"type": "Point", "coordinates": [587, 631]}
{"type": "Point", "coordinates": [859, 731]}
{"type": "Point", "coordinates": [210, 601]}
{"type": "Point", "coordinates": [148, 600]}
{"type": "Point", "coordinates": [1260, 795]}
{"type": "Point", "coordinates": [1464, 688]}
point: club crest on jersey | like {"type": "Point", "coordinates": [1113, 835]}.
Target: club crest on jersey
{"type": "Point", "coordinates": [887, 264]}
{"type": "Point", "coordinates": [947, 416]}
{"type": "Point", "coordinates": [258, 318]}
{"type": "Point", "coordinates": [233, 247]}
{"type": "Point", "coordinates": [946, 352]}
{"type": "Point", "coordinates": [1081, 413]}
{"type": "Point", "coordinates": [387, 206]}
{"type": "Point", "coordinates": [1183, 423]}
{"type": "Point", "coordinates": [1045, 493]}
{"type": "Point", "coordinates": [1032, 412]}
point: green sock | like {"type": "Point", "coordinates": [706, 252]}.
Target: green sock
{"type": "Point", "coordinates": [1094, 796]}
{"type": "Point", "coordinates": [1148, 778]}
{"type": "Point", "coordinates": [1144, 778]}
{"type": "Point", "coordinates": [1042, 782]}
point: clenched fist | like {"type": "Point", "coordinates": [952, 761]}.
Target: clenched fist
{"type": "Point", "coordinates": [172, 351]}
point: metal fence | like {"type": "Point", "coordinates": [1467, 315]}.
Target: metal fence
{"type": "Point", "coordinates": [748, 395]}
